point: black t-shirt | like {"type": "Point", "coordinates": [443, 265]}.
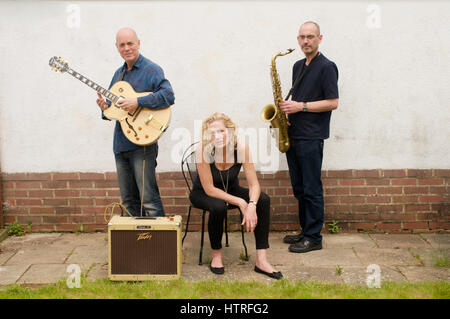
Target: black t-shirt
{"type": "Point", "coordinates": [319, 83]}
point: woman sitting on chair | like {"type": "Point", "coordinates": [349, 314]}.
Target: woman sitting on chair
{"type": "Point", "coordinates": [219, 159]}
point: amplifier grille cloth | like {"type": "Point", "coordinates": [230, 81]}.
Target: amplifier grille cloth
{"type": "Point", "coordinates": [156, 255]}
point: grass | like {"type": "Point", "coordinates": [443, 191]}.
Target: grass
{"type": "Point", "coordinates": [214, 289]}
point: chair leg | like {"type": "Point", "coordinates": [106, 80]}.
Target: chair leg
{"type": "Point", "coordinates": [187, 225]}
{"type": "Point", "coordinates": [202, 239]}
{"type": "Point", "coordinates": [226, 230]}
{"type": "Point", "coordinates": [243, 240]}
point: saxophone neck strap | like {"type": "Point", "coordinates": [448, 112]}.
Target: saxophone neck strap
{"type": "Point", "coordinates": [301, 76]}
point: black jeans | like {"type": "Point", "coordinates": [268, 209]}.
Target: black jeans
{"type": "Point", "coordinates": [305, 165]}
{"type": "Point", "coordinates": [218, 209]}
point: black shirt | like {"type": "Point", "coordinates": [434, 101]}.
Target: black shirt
{"type": "Point", "coordinates": [319, 83]}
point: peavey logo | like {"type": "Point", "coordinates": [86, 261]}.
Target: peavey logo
{"type": "Point", "coordinates": [143, 236]}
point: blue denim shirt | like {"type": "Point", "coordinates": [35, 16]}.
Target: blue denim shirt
{"type": "Point", "coordinates": [144, 76]}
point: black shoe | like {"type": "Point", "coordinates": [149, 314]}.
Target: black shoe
{"type": "Point", "coordinates": [217, 270]}
{"type": "Point", "coordinates": [292, 239]}
{"type": "Point", "coordinates": [275, 275]}
{"type": "Point", "coordinates": [304, 246]}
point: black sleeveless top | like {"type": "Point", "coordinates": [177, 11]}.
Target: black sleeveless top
{"type": "Point", "coordinates": [220, 177]}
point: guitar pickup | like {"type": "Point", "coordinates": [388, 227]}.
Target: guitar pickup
{"type": "Point", "coordinates": [155, 123]}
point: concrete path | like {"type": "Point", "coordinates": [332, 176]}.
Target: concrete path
{"type": "Point", "coordinates": [43, 258]}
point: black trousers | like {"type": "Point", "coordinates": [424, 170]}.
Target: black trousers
{"type": "Point", "coordinates": [218, 209]}
{"type": "Point", "coordinates": [305, 164]}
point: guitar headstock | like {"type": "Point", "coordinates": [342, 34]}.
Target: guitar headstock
{"type": "Point", "coordinates": [58, 64]}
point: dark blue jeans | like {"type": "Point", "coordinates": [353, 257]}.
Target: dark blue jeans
{"type": "Point", "coordinates": [132, 178]}
{"type": "Point", "coordinates": [305, 165]}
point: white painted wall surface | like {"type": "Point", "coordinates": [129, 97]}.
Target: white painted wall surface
{"type": "Point", "coordinates": [393, 59]}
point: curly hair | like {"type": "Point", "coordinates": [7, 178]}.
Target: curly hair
{"type": "Point", "coordinates": [206, 137]}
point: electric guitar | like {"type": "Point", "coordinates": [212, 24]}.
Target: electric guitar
{"type": "Point", "coordinates": [144, 127]}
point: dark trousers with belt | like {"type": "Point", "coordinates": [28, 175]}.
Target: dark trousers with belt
{"type": "Point", "coordinates": [218, 209]}
{"type": "Point", "coordinates": [305, 165]}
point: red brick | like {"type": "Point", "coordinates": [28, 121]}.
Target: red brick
{"type": "Point", "coordinates": [404, 182]}
{"type": "Point", "coordinates": [419, 172]}
{"type": "Point", "coordinates": [340, 173]}
{"type": "Point", "coordinates": [363, 190]}
{"type": "Point", "coordinates": [387, 225]}
{"type": "Point", "coordinates": [40, 193]}
{"type": "Point", "coordinates": [417, 207]}
{"type": "Point", "coordinates": [390, 208]}
{"type": "Point", "coordinates": [393, 173]}
{"type": "Point", "coordinates": [439, 225]}
{"type": "Point", "coordinates": [92, 176]}
{"type": "Point", "coordinates": [442, 172]}
{"type": "Point", "coordinates": [67, 193]}
{"type": "Point", "coordinates": [371, 173]}
{"type": "Point", "coordinates": [352, 182]}
{"type": "Point", "coordinates": [55, 202]}
{"type": "Point", "coordinates": [82, 184]}
{"type": "Point", "coordinates": [431, 199]}
{"type": "Point", "coordinates": [431, 181]}
{"type": "Point", "coordinates": [415, 225]}
{"type": "Point", "coordinates": [405, 199]}
{"type": "Point", "coordinates": [389, 190]}
{"type": "Point", "coordinates": [378, 199]}
{"type": "Point", "coordinates": [106, 184]}
{"type": "Point", "coordinates": [352, 199]}
{"type": "Point", "coordinates": [28, 202]}
{"type": "Point", "coordinates": [337, 191]}
{"type": "Point", "coordinates": [111, 176]}
{"type": "Point", "coordinates": [39, 176]}
{"type": "Point", "coordinates": [65, 176]}
{"type": "Point", "coordinates": [28, 185]}
{"type": "Point", "coordinates": [173, 192]}
{"type": "Point", "coordinates": [54, 185]}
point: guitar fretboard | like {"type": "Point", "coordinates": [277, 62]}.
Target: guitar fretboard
{"type": "Point", "coordinates": [107, 94]}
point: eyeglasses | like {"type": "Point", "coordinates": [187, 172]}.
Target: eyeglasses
{"type": "Point", "coordinates": [303, 37]}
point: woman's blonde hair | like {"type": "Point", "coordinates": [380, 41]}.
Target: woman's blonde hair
{"type": "Point", "coordinates": [206, 137]}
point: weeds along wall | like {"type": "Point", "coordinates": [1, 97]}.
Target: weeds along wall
{"type": "Point", "coordinates": [385, 164]}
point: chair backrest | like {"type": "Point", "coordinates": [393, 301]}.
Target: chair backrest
{"type": "Point", "coordinates": [188, 166]}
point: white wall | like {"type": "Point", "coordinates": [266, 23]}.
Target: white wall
{"type": "Point", "coordinates": [393, 59]}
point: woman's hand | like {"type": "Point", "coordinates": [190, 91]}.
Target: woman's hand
{"type": "Point", "coordinates": [250, 219]}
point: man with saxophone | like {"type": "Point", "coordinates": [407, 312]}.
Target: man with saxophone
{"type": "Point", "coordinates": [314, 96]}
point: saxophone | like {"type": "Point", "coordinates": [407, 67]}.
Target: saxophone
{"type": "Point", "coordinates": [272, 112]}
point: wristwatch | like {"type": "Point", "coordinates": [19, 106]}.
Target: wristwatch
{"type": "Point", "coordinates": [252, 202]}
{"type": "Point", "coordinates": [304, 109]}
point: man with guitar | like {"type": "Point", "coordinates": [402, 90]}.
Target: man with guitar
{"type": "Point", "coordinates": [136, 162]}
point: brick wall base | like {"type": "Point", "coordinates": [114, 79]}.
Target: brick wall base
{"type": "Point", "coordinates": [394, 201]}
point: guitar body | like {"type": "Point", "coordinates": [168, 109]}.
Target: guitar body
{"type": "Point", "coordinates": [144, 126]}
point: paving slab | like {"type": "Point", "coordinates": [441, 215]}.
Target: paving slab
{"type": "Point", "coordinates": [43, 258]}
{"type": "Point", "coordinates": [418, 274]}
{"type": "Point", "coordinates": [386, 257]}
{"type": "Point", "coordinates": [395, 241]}
{"type": "Point", "coordinates": [41, 274]}
{"type": "Point", "coordinates": [438, 240]}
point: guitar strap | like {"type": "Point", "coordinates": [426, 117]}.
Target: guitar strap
{"type": "Point", "coordinates": [121, 75]}
{"type": "Point", "coordinates": [301, 76]}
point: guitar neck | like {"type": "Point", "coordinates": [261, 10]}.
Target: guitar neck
{"type": "Point", "coordinates": [107, 94]}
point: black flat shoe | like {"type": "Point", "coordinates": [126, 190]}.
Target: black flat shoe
{"type": "Point", "coordinates": [292, 239]}
{"type": "Point", "coordinates": [304, 246]}
{"type": "Point", "coordinates": [275, 275]}
{"type": "Point", "coordinates": [217, 270]}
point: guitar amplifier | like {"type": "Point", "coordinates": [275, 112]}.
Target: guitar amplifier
{"type": "Point", "coordinates": [144, 248]}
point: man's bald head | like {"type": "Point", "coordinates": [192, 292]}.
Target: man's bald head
{"type": "Point", "coordinates": [128, 45]}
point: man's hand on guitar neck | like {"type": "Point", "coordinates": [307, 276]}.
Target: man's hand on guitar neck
{"type": "Point", "coordinates": [101, 102]}
{"type": "Point", "coordinates": [128, 105]}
